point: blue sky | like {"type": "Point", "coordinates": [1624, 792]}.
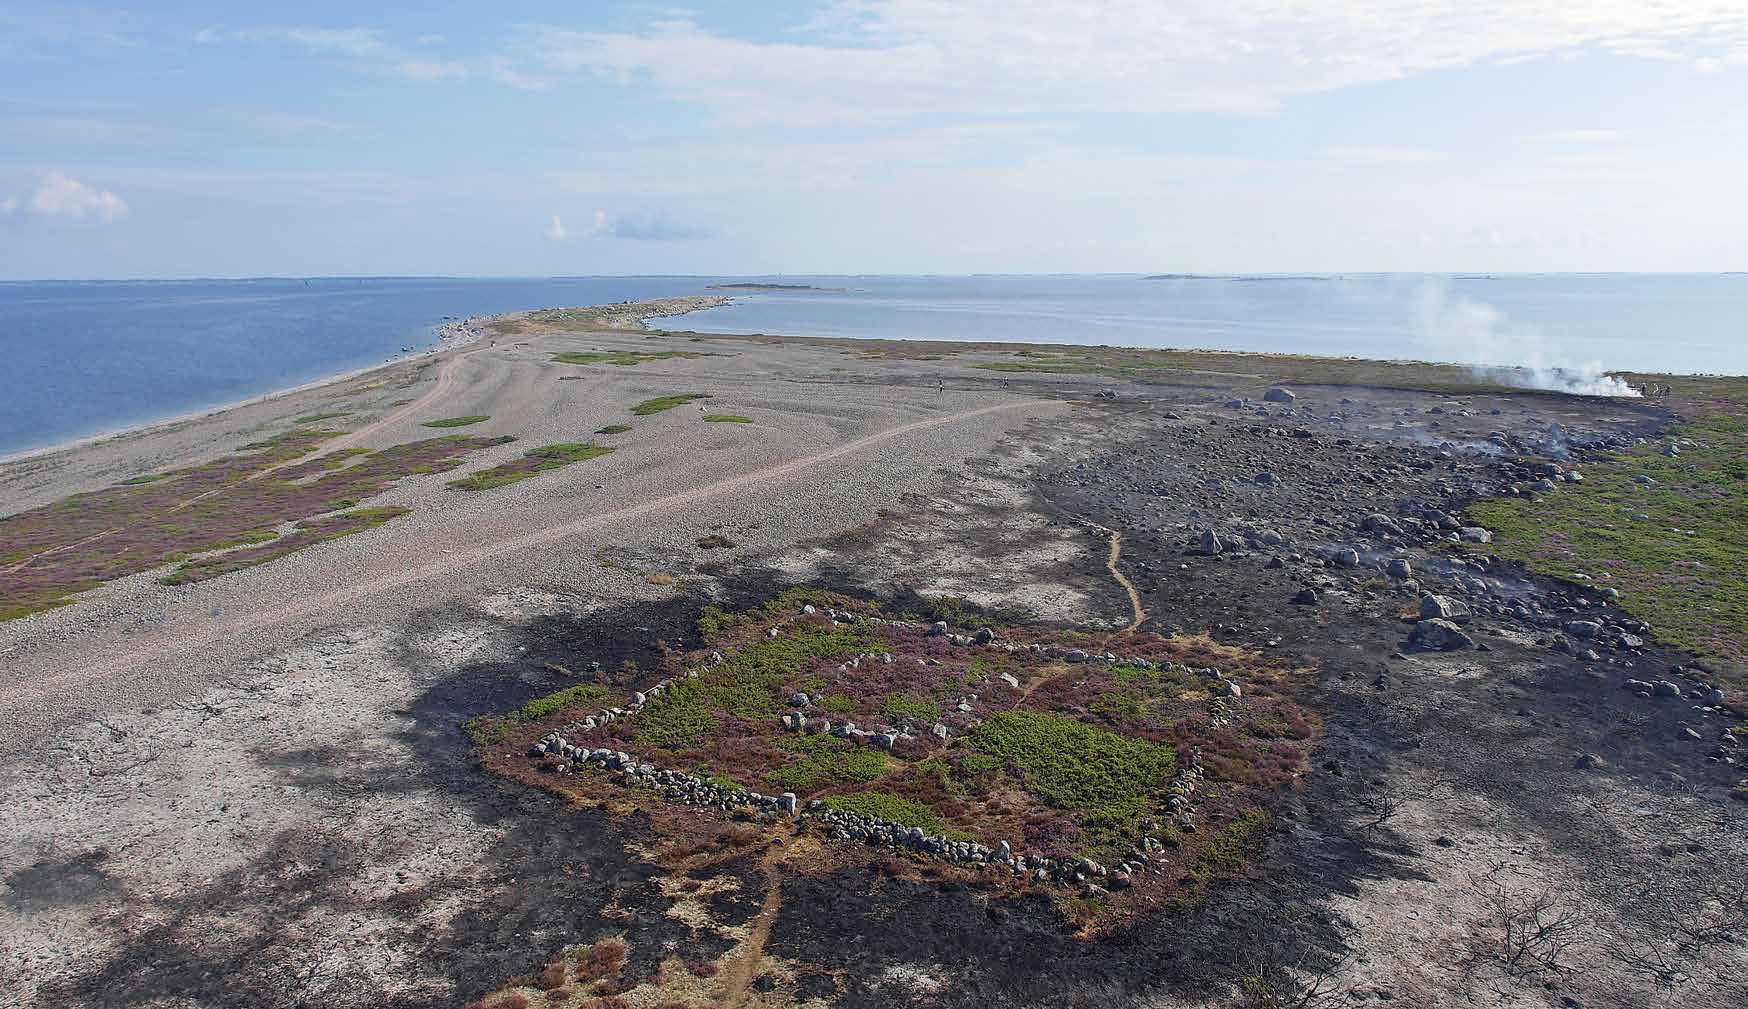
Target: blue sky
{"type": "Point", "coordinates": [873, 136]}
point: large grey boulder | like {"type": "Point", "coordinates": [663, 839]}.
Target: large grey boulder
{"type": "Point", "coordinates": [1437, 635]}
{"type": "Point", "coordinates": [1210, 544]}
{"type": "Point", "coordinates": [1378, 522]}
{"type": "Point", "coordinates": [1279, 395]}
{"type": "Point", "coordinates": [1437, 607]}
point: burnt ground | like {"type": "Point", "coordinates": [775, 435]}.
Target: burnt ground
{"type": "Point", "coordinates": [1447, 802]}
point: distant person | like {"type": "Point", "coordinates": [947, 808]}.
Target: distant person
{"type": "Point", "coordinates": [940, 385]}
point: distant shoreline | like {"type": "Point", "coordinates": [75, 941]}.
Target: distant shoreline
{"type": "Point", "coordinates": [455, 334]}
{"type": "Point", "coordinates": [771, 287]}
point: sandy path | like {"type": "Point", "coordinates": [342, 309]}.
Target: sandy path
{"type": "Point", "coordinates": [160, 646]}
{"type": "Point", "coordinates": [1116, 555]}
{"type": "Point", "coordinates": [445, 377]}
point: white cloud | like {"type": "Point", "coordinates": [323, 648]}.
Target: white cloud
{"type": "Point", "coordinates": [60, 196]}
{"type": "Point", "coordinates": [353, 41]}
{"type": "Point", "coordinates": [1585, 136]}
{"type": "Point", "coordinates": [430, 40]}
{"type": "Point", "coordinates": [895, 60]}
{"type": "Point", "coordinates": [555, 231]}
{"type": "Point", "coordinates": [8, 205]}
{"type": "Point", "coordinates": [429, 70]}
{"type": "Point", "coordinates": [503, 73]}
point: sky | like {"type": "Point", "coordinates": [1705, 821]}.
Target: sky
{"type": "Point", "coordinates": [872, 136]}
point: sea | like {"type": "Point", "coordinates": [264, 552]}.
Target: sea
{"type": "Point", "coordinates": [80, 358]}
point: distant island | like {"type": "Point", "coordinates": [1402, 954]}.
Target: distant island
{"type": "Point", "coordinates": [772, 287]}
{"type": "Point", "coordinates": [1236, 277]}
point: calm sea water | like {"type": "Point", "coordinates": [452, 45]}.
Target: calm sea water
{"type": "Point", "coordinates": [1645, 322]}
{"type": "Point", "coordinates": [81, 358]}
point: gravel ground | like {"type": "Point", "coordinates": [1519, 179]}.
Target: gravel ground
{"type": "Point", "coordinates": [161, 740]}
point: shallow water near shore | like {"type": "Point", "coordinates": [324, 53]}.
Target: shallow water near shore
{"type": "Point", "coordinates": [81, 358]}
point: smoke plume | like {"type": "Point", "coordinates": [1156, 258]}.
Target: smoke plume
{"type": "Point", "coordinates": [1466, 331]}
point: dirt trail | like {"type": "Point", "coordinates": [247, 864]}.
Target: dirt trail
{"type": "Point", "coordinates": [21, 565]}
{"type": "Point", "coordinates": [445, 376]}
{"type": "Point", "coordinates": [186, 639]}
{"type": "Point", "coordinates": [1138, 614]}
{"type": "Point", "coordinates": [738, 973]}
{"type": "Point", "coordinates": [445, 379]}
{"type": "Point", "coordinates": [1128, 586]}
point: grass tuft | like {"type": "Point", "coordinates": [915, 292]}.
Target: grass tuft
{"type": "Point", "coordinates": [457, 421]}
{"type": "Point", "coordinates": [623, 358]}
{"type": "Point", "coordinates": [726, 418]}
{"type": "Point", "coordinates": [538, 460]}
{"type": "Point", "coordinates": [660, 403]}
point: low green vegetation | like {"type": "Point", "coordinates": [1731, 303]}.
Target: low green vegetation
{"type": "Point", "coordinates": [900, 725]}
{"type": "Point", "coordinates": [457, 421]}
{"type": "Point", "coordinates": [1228, 850]}
{"type": "Point", "coordinates": [712, 619]}
{"type": "Point", "coordinates": [317, 418]}
{"type": "Point", "coordinates": [727, 418]}
{"type": "Point", "coordinates": [135, 481]}
{"type": "Point", "coordinates": [535, 461]}
{"type": "Point", "coordinates": [660, 403]}
{"type": "Point", "coordinates": [558, 700]}
{"type": "Point", "coordinates": [487, 730]}
{"type": "Point", "coordinates": [1676, 547]}
{"type": "Point", "coordinates": [1074, 766]}
{"type": "Point", "coordinates": [613, 429]}
{"type": "Point", "coordinates": [744, 685]}
{"type": "Point", "coordinates": [921, 710]}
{"type": "Point", "coordinates": [822, 761]}
{"type": "Point", "coordinates": [889, 807]}
{"type": "Point", "coordinates": [623, 358]}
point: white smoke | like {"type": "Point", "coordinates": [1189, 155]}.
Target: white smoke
{"type": "Point", "coordinates": [1466, 331]}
